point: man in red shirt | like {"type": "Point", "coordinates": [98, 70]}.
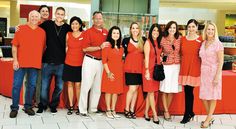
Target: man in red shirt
{"type": "Point", "coordinates": [27, 42]}
{"type": "Point", "coordinates": [94, 39]}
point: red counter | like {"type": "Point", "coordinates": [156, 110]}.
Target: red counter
{"type": "Point", "coordinates": [226, 105]}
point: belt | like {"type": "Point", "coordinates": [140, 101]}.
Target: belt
{"type": "Point", "coordinates": [93, 57]}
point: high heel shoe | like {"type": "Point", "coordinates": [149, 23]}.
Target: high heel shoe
{"type": "Point", "coordinates": [109, 114]}
{"type": "Point", "coordinates": [147, 118]}
{"type": "Point", "coordinates": [127, 114]}
{"type": "Point", "coordinates": [133, 115]}
{"type": "Point", "coordinates": [70, 111]}
{"type": "Point", "coordinates": [167, 118]}
{"type": "Point", "coordinates": [156, 122]}
{"type": "Point", "coordinates": [187, 118]}
{"type": "Point", "coordinates": [211, 121]}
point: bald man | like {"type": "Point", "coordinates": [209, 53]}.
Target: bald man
{"type": "Point", "coordinates": [27, 50]}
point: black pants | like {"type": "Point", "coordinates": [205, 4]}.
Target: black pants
{"type": "Point", "coordinates": [189, 97]}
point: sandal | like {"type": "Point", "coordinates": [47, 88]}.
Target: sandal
{"type": "Point", "coordinates": [167, 118]}
{"type": "Point", "coordinates": [70, 111]}
{"type": "Point", "coordinates": [77, 112]}
{"type": "Point", "coordinates": [127, 114]}
{"type": "Point", "coordinates": [133, 115]}
{"type": "Point", "coordinates": [109, 114]}
{"type": "Point", "coordinates": [114, 114]}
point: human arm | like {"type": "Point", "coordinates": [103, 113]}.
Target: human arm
{"type": "Point", "coordinates": [220, 58]}
{"type": "Point", "coordinates": [146, 59]}
{"type": "Point", "coordinates": [67, 42]}
{"type": "Point", "coordinates": [110, 75]}
{"type": "Point", "coordinates": [15, 60]}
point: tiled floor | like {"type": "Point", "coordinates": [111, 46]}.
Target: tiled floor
{"type": "Point", "coordinates": [63, 121]}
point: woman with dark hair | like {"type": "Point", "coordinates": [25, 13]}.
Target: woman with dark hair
{"type": "Point", "coordinates": [171, 60]}
{"type": "Point", "coordinates": [133, 67]}
{"type": "Point", "coordinates": [73, 61]}
{"type": "Point", "coordinates": [152, 54]}
{"type": "Point", "coordinates": [190, 67]}
{"type": "Point", "coordinates": [44, 11]}
{"type": "Point", "coordinates": [112, 78]}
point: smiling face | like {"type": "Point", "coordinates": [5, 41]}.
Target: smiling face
{"type": "Point", "coordinates": [192, 28]}
{"type": "Point", "coordinates": [155, 33]}
{"type": "Point", "coordinates": [60, 15]}
{"type": "Point", "coordinates": [135, 30]}
{"type": "Point", "coordinates": [172, 30]}
{"type": "Point", "coordinates": [44, 13]}
{"type": "Point", "coordinates": [98, 20]}
{"type": "Point", "coordinates": [34, 17]}
{"type": "Point", "coordinates": [210, 32]}
{"type": "Point", "coordinates": [75, 25]}
{"type": "Point", "coordinates": [115, 34]}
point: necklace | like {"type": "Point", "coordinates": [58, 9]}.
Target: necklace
{"type": "Point", "coordinates": [57, 31]}
{"type": "Point", "coordinates": [134, 40]}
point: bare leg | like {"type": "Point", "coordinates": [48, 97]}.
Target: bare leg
{"type": "Point", "coordinates": [114, 100]}
{"type": "Point", "coordinates": [209, 118]}
{"type": "Point", "coordinates": [70, 92]}
{"type": "Point", "coordinates": [169, 99]}
{"type": "Point", "coordinates": [205, 103]}
{"type": "Point", "coordinates": [164, 101]}
{"type": "Point", "coordinates": [77, 87]}
{"type": "Point", "coordinates": [147, 107]}
{"type": "Point", "coordinates": [129, 96]}
{"type": "Point", "coordinates": [108, 101]}
{"type": "Point", "coordinates": [153, 105]}
{"type": "Point", "coordinates": [134, 98]}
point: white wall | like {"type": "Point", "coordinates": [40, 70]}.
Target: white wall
{"type": "Point", "coordinates": [182, 15]}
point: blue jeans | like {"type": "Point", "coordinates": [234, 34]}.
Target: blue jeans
{"type": "Point", "coordinates": [17, 84]}
{"type": "Point", "coordinates": [48, 71]}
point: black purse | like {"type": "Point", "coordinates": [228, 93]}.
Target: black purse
{"type": "Point", "coordinates": [158, 73]}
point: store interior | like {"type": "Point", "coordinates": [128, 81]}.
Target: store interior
{"type": "Point", "coordinates": [123, 12]}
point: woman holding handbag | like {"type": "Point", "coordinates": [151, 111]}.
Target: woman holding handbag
{"type": "Point", "coordinates": [171, 48]}
{"type": "Point", "coordinates": [152, 54]}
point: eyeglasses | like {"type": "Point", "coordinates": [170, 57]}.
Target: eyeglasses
{"type": "Point", "coordinates": [173, 46]}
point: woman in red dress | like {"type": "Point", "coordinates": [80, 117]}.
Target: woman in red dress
{"type": "Point", "coordinates": [73, 61]}
{"type": "Point", "coordinates": [133, 67]}
{"type": "Point", "coordinates": [112, 78]}
{"type": "Point", "coordinates": [152, 53]}
{"type": "Point", "coordinates": [189, 75]}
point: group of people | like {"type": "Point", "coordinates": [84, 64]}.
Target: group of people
{"type": "Point", "coordinates": [93, 61]}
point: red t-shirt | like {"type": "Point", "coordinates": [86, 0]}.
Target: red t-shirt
{"type": "Point", "coordinates": [74, 55]}
{"type": "Point", "coordinates": [30, 44]}
{"type": "Point", "coordinates": [94, 37]}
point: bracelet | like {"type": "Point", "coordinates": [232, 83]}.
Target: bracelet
{"type": "Point", "coordinates": [146, 68]}
{"type": "Point", "coordinates": [100, 48]}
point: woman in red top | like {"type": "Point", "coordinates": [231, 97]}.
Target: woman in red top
{"type": "Point", "coordinates": [190, 66]}
{"type": "Point", "coordinates": [73, 61]}
{"type": "Point", "coordinates": [152, 54]}
{"type": "Point", "coordinates": [112, 78]}
{"type": "Point", "coordinates": [133, 67]}
{"type": "Point", "coordinates": [171, 48]}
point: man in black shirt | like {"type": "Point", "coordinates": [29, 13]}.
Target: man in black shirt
{"type": "Point", "coordinates": [53, 60]}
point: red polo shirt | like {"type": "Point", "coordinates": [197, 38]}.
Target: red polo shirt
{"type": "Point", "coordinates": [30, 43]}
{"type": "Point", "coordinates": [93, 38]}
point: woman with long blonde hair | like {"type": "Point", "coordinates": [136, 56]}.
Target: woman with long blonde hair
{"type": "Point", "coordinates": [133, 67]}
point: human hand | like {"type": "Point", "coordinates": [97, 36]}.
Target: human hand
{"type": "Point", "coordinates": [105, 44]}
{"type": "Point", "coordinates": [15, 65]}
{"type": "Point", "coordinates": [147, 75]}
{"type": "Point", "coordinates": [110, 76]}
{"type": "Point", "coordinates": [215, 81]}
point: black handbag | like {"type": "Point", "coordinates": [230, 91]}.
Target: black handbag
{"type": "Point", "coordinates": [158, 73]}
